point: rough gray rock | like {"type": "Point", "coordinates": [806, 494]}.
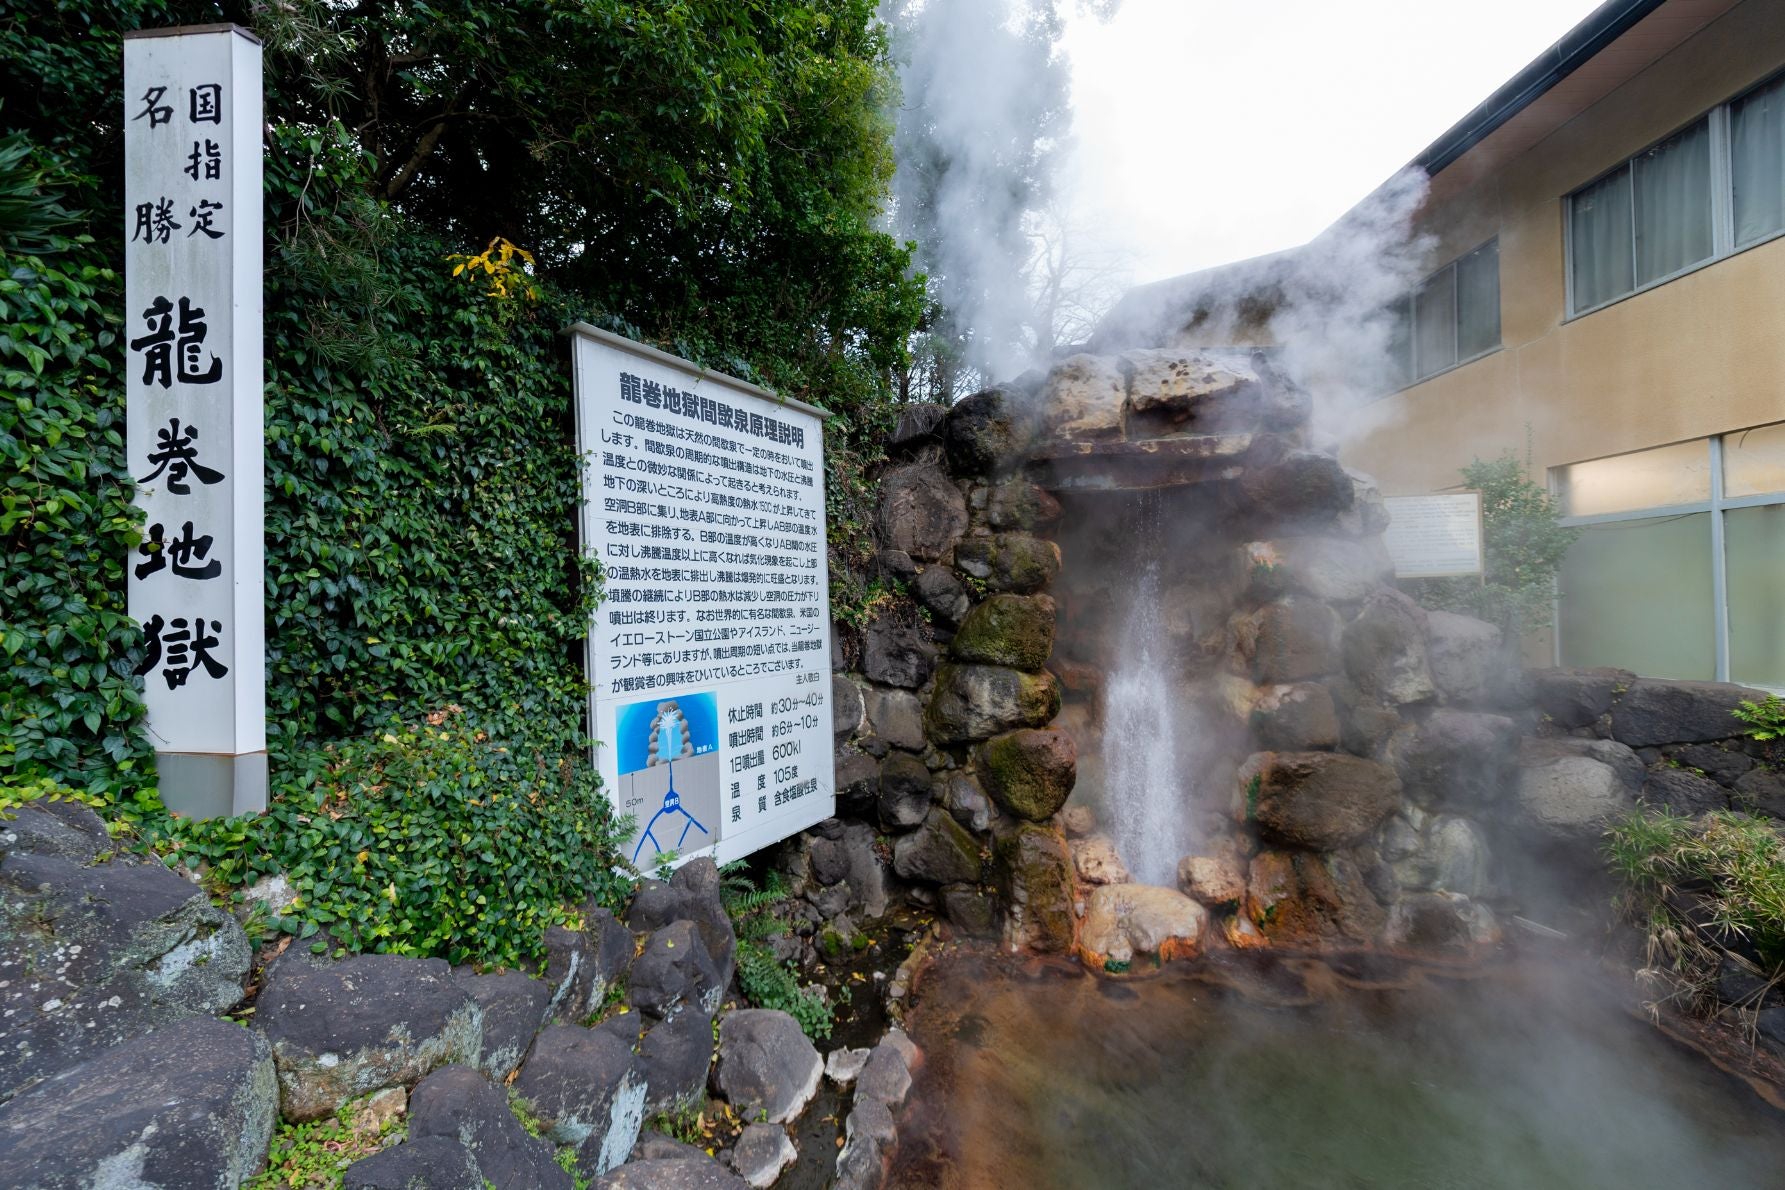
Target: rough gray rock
{"type": "Point", "coordinates": [674, 1057]}
{"type": "Point", "coordinates": [976, 702]}
{"type": "Point", "coordinates": [1296, 718]}
{"type": "Point", "coordinates": [1684, 792]}
{"type": "Point", "coordinates": [885, 1078]}
{"type": "Point", "coordinates": [897, 652]}
{"type": "Point", "coordinates": [842, 1066]}
{"type": "Point", "coordinates": [938, 852]}
{"type": "Point", "coordinates": [584, 1084]}
{"type": "Point", "coordinates": [921, 511]}
{"type": "Point", "coordinates": [1469, 662]}
{"type": "Point", "coordinates": [1385, 649]}
{"type": "Point", "coordinates": [1571, 798]}
{"type": "Point", "coordinates": [1654, 712]}
{"type": "Point", "coordinates": [433, 1163]}
{"type": "Point", "coordinates": [581, 965]}
{"type": "Point", "coordinates": [1012, 562]}
{"type": "Point", "coordinates": [1034, 871]}
{"type": "Point", "coordinates": [960, 794]}
{"type": "Point", "coordinates": [1029, 772]}
{"type": "Point", "coordinates": [1298, 639]}
{"type": "Point", "coordinates": [675, 973]}
{"type": "Point", "coordinates": [514, 1007]}
{"type": "Point", "coordinates": [768, 1071]}
{"type": "Point", "coordinates": [868, 1133]}
{"type": "Point", "coordinates": [858, 778]}
{"type": "Point", "coordinates": [904, 791]}
{"type": "Point", "coordinates": [848, 711]}
{"type": "Point", "coordinates": [191, 1104]}
{"type": "Point", "coordinates": [1459, 758]}
{"type": "Point", "coordinates": [457, 1104]}
{"type": "Point", "coordinates": [1577, 697]}
{"type": "Point", "coordinates": [979, 434]}
{"type": "Point", "coordinates": [1319, 800]}
{"type": "Point", "coordinates": [1723, 764]}
{"type": "Point", "coordinates": [946, 596]}
{"type": "Point", "coordinates": [94, 955]}
{"type": "Point", "coordinates": [1761, 791]}
{"type": "Point", "coordinates": [1620, 757]}
{"type": "Point", "coordinates": [762, 1151]}
{"type": "Point", "coordinates": [675, 1173]}
{"type": "Point", "coordinates": [692, 894]}
{"type": "Point", "coordinates": [367, 1022]}
{"type": "Point", "coordinates": [896, 716]}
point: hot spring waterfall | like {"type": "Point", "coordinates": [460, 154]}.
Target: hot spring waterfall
{"type": "Point", "coordinates": [1145, 786]}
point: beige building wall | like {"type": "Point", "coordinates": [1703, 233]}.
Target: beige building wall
{"type": "Point", "coordinates": [1699, 355]}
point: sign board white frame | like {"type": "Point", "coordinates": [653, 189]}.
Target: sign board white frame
{"type": "Point", "coordinates": [192, 226]}
{"type": "Point", "coordinates": [1438, 536]}
{"type": "Point", "coordinates": [709, 657]}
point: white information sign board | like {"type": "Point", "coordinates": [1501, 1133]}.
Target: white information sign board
{"type": "Point", "coordinates": [709, 658]}
{"type": "Point", "coordinates": [192, 291]}
{"type": "Point", "coordinates": [1434, 536]}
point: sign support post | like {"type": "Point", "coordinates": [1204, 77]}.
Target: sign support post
{"type": "Point", "coordinates": [193, 369]}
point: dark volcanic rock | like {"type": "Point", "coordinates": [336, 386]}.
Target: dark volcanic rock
{"type": "Point", "coordinates": [904, 791]}
{"type": "Point", "coordinates": [848, 711]}
{"type": "Point", "coordinates": [1009, 561]}
{"type": "Point", "coordinates": [692, 894]}
{"type": "Point", "coordinates": [768, 1071]}
{"type": "Point", "coordinates": [457, 1104]}
{"type": "Point", "coordinates": [92, 956]}
{"type": "Point", "coordinates": [1007, 630]}
{"type": "Point", "coordinates": [1019, 504]}
{"type": "Point", "coordinates": [191, 1104]}
{"type": "Point", "coordinates": [1469, 663]}
{"type": "Point", "coordinates": [1683, 792]}
{"type": "Point", "coordinates": [581, 965]}
{"type": "Point", "coordinates": [1320, 800]}
{"type": "Point", "coordinates": [674, 1057]}
{"type": "Point", "coordinates": [896, 716]}
{"type": "Point", "coordinates": [674, 973]}
{"type": "Point", "coordinates": [432, 1163]}
{"type": "Point", "coordinates": [922, 512]}
{"type": "Point", "coordinates": [584, 1084]}
{"type": "Point", "coordinates": [1030, 772]}
{"type": "Point", "coordinates": [514, 1006]}
{"type": "Point", "coordinates": [945, 595]}
{"type": "Point", "coordinates": [1385, 649]}
{"type": "Point", "coordinates": [918, 424]}
{"type": "Point", "coordinates": [897, 652]}
{"type": "Point", "coordinates": [1296, 718]}
{"type": "Point", "coordinates": [938, 852]}
{"type": "Point", "coordinates": [1761, 791]}
{"type": "Point", "coordinates": [976, 702]}
{"type": "Point", "coordinates": [1455, 757]}
{"type": "Point", "coordinates": [1299, 486]}
{"type": "Point", "coordinates": [365, 1023]}
{"type": "Point", "coordinates": [1656, 712]}
{"type": "Point", "coordinates": [1577, 697]}
{"type": "Point", "coordinates": [675, 1173]}
{"type": "Point", "coordinates": [978, 434]}
{"type": "Point", "coordinates": [1035, 880]}
{"type": "Point", "coordinates": [1298, 639]}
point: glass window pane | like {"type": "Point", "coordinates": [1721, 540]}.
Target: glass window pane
{"type": "Point", "coordinates": [1667, 475]}
{"type": "Point", "coordinates": [1400, 343]}
{"type": "Point", "coordinates": [1754, 545]}
{"type": "Point", "coordinates": [1673, 204]}
{"type": "Point", "coordinates": [1754, 461]}
{"type": "Point", "coordinates": [1637, 594]}
{"type": "Point", "coordinates": [1478, 301]}
{"type": "Point", "coordinates": [1600, 240]}
{"type": "Point", "coordinates": [1757, 144]}
{"type": "Point", "coordinates": [1435, 323]}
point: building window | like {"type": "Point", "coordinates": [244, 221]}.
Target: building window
{"type": "Point", "coordinates": [1708, 190]}
{"type": "Point", "coordinates": [1679, 571]}
{"type": "Point", "coordinates": [1452, 317]}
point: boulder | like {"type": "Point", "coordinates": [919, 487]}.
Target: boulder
{"type": "Point", "coordinates": [1170, 388]}
{"type": "Point", "coordinates": [1298, 639]}
{"type": "Point", "coordinates": [692, 894]}
{"type": "Point", "coordinates": [1683, 792]}
{"type": "Point", "coordinates": [1096, 861]}
{"type": "Point", "coordinates": [938, 852]}
{"type": "Point", "coordinates": [1083, 398]}
{"type": "Point", "coordinates": [979, 435]}
{"type": "Point", "coordinates": [1079, 821]}
{"type": "Point", "coordinates": [1620, 757]}
{"type": "Point", "coordinates": [583, 1084]}
{"type": "Point", "coordinates": [969, 909]}
{"type": "Point", "coordinates": [960, 794]}
{"type": "Point", "coordinates": [94, 955]}
{"type": "Point", "coordinates": [1124, 922]}
{"type": "Point", "coordinates": [918, 424]}
{"type": "Point", "coordinates": [976, 702]}
{"type": "Point", "coordinates": [867, 1134]}
{"type": "Point", "coordinates": [1295, 718]}
{"type": "Point", "coordinates": [885, 1077]}
{"type": "Point", "coordinates": [514, 1007]}
{"type": "Point", "coordinates": [1320, 800]}
{"type": "Point", "coordinates": [842, 1066]}
{"type": "Point", "coordinates": [190, 1104]}
{"type": "Point", "coordinates": [674, 973]}
{"type": "Point", "coordinates": [1654, 712]}
{"type": "Point", "coordinates": [848, 711]}
{"type": "Point", "coordinates": [1365, 724]}
{"type": "Point", "coordinates": [1012, 630]}
{"type": "Point", "coordinates": [937, 589]}
{"type": "Point", "coordinates": [1385, 649]}
{"type": "Point", "coordinates": [1215, 880]}
{"type": "Point", "coordinates": [1019, 504]}
{"type": "Point", "coordinates": [459, 1105]}
{"type": "Point", "coordinates": [674, 1058]}
{"type": "Point", "coordinates": [1573, 698]}
{"type": "Point", "coordinates": [674, 1173]}
{"type": "Point", "coordinates": [1296, 487]}
{"type": "Point", "coordinates": [1035, 881]}
{"type": "Point", "coordinates": [582, 964]}
{"type": "Point", "coordinates": [1761, 791]}
{"type": "Point", "coordinates": [1331, 569]}
{"type": "Point", "coordinates": [760, 1153]}
{"type": "Point", "coordinates": [768, 1071]}
{"type": "Point", "coordinates": [858, 778]}
{"type": "Point", "coordinates": [362, 1024]}
{"type": "Point", "coordinates": [1468, 659]}
{"type": "Point", "coordinates": [1029, 772]}
{"type": "Point", "coordinates": [904, 791]}
{"type": "Point", "coordinates": [1009, 561]}
{"type": "Point", "coordinates": [1368, 515]}
{"type": "Point", "coordinates": [897, 652]}
{"type": "Point", "coordinates": [1571, 798]}
{"type": "Point", "coordinates": [1441, 923]}
{"type": "Point", "coordinates": [435, 1162]}
{"type": "Point", "coordinates": [1722, 763]}
{"type": "Point", "coordinates": [1300, 899]}
{"type": "Point", "coordinates": [921, 511]}
{"type": "Point", "coordinates": [896, 716]}
{"type": "Point", "coordinates": [1450, 856]}
{"type": "Point", "coordinates": [1459, 758]}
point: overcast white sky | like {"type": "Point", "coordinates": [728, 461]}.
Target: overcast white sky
{"type": "Point", "coordinates": [1211, 130]}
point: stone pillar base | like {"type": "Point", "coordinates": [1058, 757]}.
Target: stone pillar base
{"type": "Point", "coordinates": [211, 785]}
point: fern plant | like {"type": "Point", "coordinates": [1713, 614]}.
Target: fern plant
{"type": "Point", "coordinates": [766, 981]}
{"type": "Point", "coordinates": [1765, 719]}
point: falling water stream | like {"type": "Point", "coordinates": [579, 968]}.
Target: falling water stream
{"type": "Point", "coordinates": [1145, 780]}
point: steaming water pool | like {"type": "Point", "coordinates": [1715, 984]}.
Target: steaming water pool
{"type": "Point", "coordinates": [1285, 1075]}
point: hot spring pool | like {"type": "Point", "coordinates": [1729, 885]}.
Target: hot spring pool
{"type": "Point", "coordinates": [1277, 1075]}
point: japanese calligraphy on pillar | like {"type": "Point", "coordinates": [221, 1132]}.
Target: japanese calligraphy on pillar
{"type": "Point", "coordinates": [709, 658]}
{"type": "Point", "coordinates": [192, 230]}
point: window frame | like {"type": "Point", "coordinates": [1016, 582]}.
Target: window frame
{"type": "Point", "coordinates": [1722, 178]}
{"type": "Point", "coordinates": [1407, 299]}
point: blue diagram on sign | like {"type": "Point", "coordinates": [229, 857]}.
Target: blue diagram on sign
{"type": "Point", "coordinates": [669, 768]}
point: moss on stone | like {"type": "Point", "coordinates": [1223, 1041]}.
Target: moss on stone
{"type": "Point", "coordinates": [1029, 772]}
{"type": "Point", "coordinates": [1013, 630]}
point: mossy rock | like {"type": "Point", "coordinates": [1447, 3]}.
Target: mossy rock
{"type": "Point", "coordinates": [1013, 630]}
{"type": "Point", "coordinates": [1030, 772]}
{"type": "Point", "coordinates": [1009, 561]}
{"type": "Point", "coordinates": [1035, 879]}
{"type": "Point", "coordinates": [977, 702]}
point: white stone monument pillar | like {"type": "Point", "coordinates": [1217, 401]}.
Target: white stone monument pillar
{"type": "Point", "coordinates": [192, 337]}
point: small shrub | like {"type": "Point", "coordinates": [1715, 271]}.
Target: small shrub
{"type": "Point", "coordinates": [1765, 719]}
{"type": "Point", "coordinates": [313, 1156]}
{"type": "Point", "coordinates": [766, 981]}
{"type": "Point", "coordinates": [431, 839]}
